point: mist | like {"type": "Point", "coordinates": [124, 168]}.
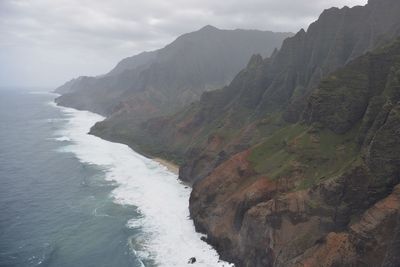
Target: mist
{"type": "Point", "coordinates": [46, 42]}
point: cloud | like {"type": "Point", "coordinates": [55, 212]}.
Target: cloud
{"type": "Point", "coordinates": [46, 42]}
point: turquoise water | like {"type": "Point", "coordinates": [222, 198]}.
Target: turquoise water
{"type": "Point", "coordinates": [71, 199]}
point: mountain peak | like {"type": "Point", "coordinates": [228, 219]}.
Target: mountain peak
{"type": "Point", "coordinates": [209, 28]}
{"type": "Point", "coordinates": [255, 61]}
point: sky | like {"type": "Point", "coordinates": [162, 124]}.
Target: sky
{"type": "Point", "coordinates": [47, 42]}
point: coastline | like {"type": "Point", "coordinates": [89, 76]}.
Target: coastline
{"type": "Point", "coordinates": [132, 190]}
{"type": "Point", "coordinates": [172, 167]}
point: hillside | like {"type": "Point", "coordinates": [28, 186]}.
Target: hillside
{"type": "Point", "coordinates": [295, 162]}
{"type": "Point", "coordinates": [162, 81]}
{"type": "Point", "coordinates": [267, 94]}
{"type": "Point", "coordinates": [321, 192]}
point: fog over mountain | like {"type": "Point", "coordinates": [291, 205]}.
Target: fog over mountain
{"type": "Point", "coordinates": [205, 133]}
{"type": "Point", "coordinates": [64, 39]}
{"type": "Point", "coordinates": [160, 81]}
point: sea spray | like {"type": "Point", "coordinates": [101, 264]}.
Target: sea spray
{"type": "Point", "coordinates": [167, 235]}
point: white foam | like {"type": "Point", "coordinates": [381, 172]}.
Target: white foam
{"type": "Point", "coordinates": [169, 238]}
{"type": "Point", "coordinates": [62, 138]}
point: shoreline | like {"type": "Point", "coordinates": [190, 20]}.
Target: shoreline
{"type": "Point", "coordinates": [172, 167]}
{"type": "Point", "coordinates": [198, 248]}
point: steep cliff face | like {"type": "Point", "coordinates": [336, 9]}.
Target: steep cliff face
{"type": "Point", "coordinates": [297, 161]}
{"type": "Point", "coordinates": [159, 82]}
{"type": "Point", "coordinates": [321, 192]}
{"type": "Point", "coordinates": [269, 92]}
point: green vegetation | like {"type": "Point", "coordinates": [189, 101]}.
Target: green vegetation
{"type": "Point", "coordinates": [305, 153]}
{"type": "Point", "coordinates": [339, 114]}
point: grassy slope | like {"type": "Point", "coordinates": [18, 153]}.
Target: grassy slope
{"type": "Point", "coordinates": [330, 142]}
{"type": "Point", "coordinates": [304, 153]}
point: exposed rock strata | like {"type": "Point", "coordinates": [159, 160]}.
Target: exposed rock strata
{"type": "Point", "coordinates": [297, 161]}
{"type": "Point", "coordinates": [311, 208]}
{"type": "Point", "coordinates": [270, 92]}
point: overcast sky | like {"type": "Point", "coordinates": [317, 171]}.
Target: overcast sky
{"type": "Point", "coordinates": [47, 42]}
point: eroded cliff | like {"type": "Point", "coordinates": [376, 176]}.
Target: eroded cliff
{"type": "Point", "coordinates": [321, 192]}
{"type": "Point", "coordinates": [268, 94]}
{"type": "Point", "coordinates": [297, 161]}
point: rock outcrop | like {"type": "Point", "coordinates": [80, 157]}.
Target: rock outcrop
{"type": "Point", "coordinates": [321, 192]}
{"type": "Point", "coordinates": [267, 94]}
{"type": "Point", "coordinates": [297, 161]}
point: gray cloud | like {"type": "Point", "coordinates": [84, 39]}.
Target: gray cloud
{"type": "Point", "coordinates": [46, 42]}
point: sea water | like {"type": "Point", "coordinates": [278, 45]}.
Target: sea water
{"type": "Point", "coordinates": [68, 198]}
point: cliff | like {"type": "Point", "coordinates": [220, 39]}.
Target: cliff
{"type": "Point", "coordinates": [267, 94]}
{"type": "Point", "coordinates": [162, 81]}
{"type": "Point", "coordinates": [295, 162]}
{"type": "Point", "coordinates": [321, 192]}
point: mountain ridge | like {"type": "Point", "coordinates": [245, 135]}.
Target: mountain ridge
{"type": "Point", "coordinates": [166, 79]}
{"type": "Point", "coordinates": [315, 193]}
{"type": "Point", "coordinates": [296, 161]}
{"type": "Point", "coordinates": [269, 93]}
{"type": "Point", "coordinates": [260, 177]}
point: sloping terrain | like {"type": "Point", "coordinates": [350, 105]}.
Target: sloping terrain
{"type": "Point", "coordinates": [297, 161]}
{"type": "Point", "coordinates": [321, 192]}
{"type": "Point", "coordinates": [267, 94]}
{"type": "Point", "coordinates": [316, 189]}
{"type": "Point", "coordinates": [162, 81]}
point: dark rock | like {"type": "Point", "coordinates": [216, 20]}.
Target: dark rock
{"type": "Point", "coordinates": [252, 106]}
{"type": "Point", "coordinates": [323, 192]}
{"type": "Point", "coordinates": [348, 217]}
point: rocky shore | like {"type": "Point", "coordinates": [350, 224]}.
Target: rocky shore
{"type": "Point", "coordinates": [296, 163]}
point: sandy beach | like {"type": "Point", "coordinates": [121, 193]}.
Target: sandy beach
{"type": "Point", "coordinates": [170, 166]}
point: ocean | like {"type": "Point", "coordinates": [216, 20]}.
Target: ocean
{"type": "Point", "coordinates": [68, 198]}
